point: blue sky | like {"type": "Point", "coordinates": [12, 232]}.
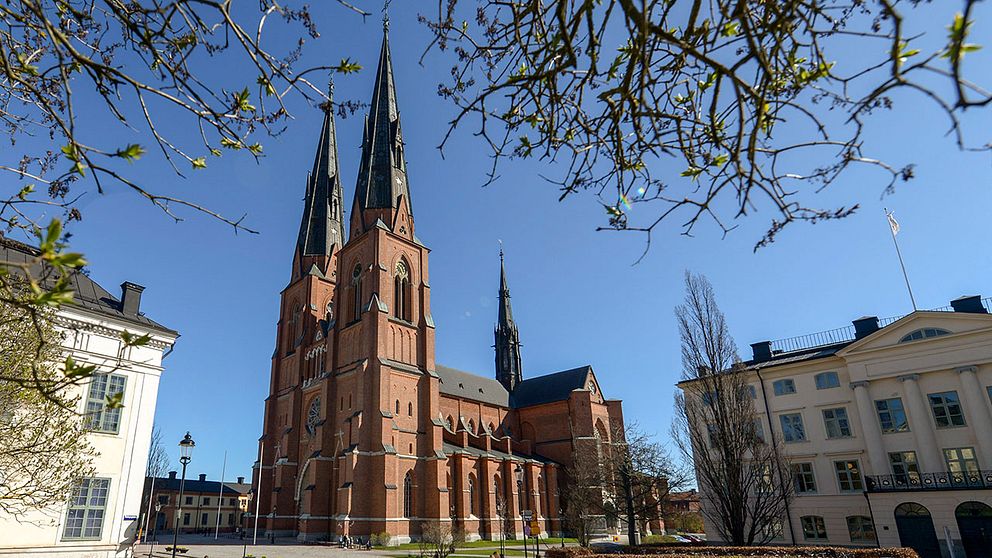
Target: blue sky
{"type": "Point", "coordinates": [577, 297]}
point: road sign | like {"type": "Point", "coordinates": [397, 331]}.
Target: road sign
{"type": "Point", "coordinates": [526, 514]}
{"type": "Point", "coordinates": [535, 526]}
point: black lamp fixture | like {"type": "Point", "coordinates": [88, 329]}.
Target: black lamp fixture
{"type": "Point", "coordinates": [186, 446]}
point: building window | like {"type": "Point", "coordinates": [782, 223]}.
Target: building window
{"type": "Point", "coordinates": [230, 519]}
{"type": "Point", "coordinates": [100, 415]}
{"type": "Point", "coordinates": [814, 529]}
{"type": "Point", "coordinates": [397, 407]}
{"type": "Point", "coordinates": [87, 508]}
{"type": "Point", "coordinates": [752, 392]}
{"type": "Point", "coordinates": [163, 499]}
{"type": "Point", "coordinates": [827, 380]}
{"type": "Point", "coordinates": [759, 431]}
{"type": "Point", "coordinates": [356, 289]}
{"type": "Point", "coordinates": [836, 423]}
{"type": "Point", "coordinates": [946, 409]}
{"type": "Point", "coordinates": [471, 495]}
{"type": "Point", "coordinates": [206, 501]}
{"type": "Point", "coordinates": [233, 502]}
{"type": "Point", "coordinates": [713, 434]}
{"type": "Point", "coordinates": [401, 292]}
{"type": "Point", "coordinates": [409, 409]}
{"type": "Point", "coordinates": [905, 468]}
{"type": "Point", "coordinates": [961, 460]}
{"type": "Point", "coordinates": [891, 415]}
{"type": "Point", "coordinates": [203, 519]}
{"type": "Point", "coordinates": [989, 389]}
{"type": "Point", "coordinates": [784, 387]}
{"type": "Point", "coordinates": [861, 529]}
{"type": "Point", "coordinates": [189, 500]}
{"type": "Point", "coordinates": [924, 333]}
{"type": "Point", "coordinates": [848, 476]}
{"type": "Point", "coordinates": [792, 427]}
{"type": "Point", "coordinates": [710, 396]}
{"type": "Point", "coordinates": [804, 478]}
{"type": "Point", "coordinates": [408, 496]}
{"type": "Point", "coordinates": [186, 519]}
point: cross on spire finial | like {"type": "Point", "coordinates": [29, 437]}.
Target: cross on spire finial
{"type": "Point", "coordinates": [385, 16]}
{"type": "Point", "coordinates": [500, 240]}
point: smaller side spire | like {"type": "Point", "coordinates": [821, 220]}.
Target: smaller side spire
{"type": "Point", "coordinates": [509, 366]}
{"type": "Point", "coordinates": [322, 225]}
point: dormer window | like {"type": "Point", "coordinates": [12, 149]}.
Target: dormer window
{"type": "Point", "coordinates": [924, 333]}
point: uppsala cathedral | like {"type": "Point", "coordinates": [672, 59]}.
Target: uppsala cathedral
{"type": "Point", "coordinates": [363, 432]}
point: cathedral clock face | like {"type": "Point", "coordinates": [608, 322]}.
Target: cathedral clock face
{"type": "Point", "coordinates": [313, 416]}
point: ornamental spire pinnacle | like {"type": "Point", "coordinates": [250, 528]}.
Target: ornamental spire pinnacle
{"type": "Point", "coordinates": [321, 228]}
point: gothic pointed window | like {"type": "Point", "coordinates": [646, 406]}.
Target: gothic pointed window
{"type": "Point", "coordinates": [408, 496]}
{"type": "Point", "coordinates": [401, 292]}
{"type": "Point", "coordinates": [356, 289]}
{"type": "Point", "coordinates": [471, 496]}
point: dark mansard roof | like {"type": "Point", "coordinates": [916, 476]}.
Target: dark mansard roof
{"type": "Point", "coordinates": [89, 295]}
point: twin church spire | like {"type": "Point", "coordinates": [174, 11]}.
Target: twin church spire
{"type": "Point", "coordinates": [381, 194]}
{"type": "Point", "coordinates": [382, 185]}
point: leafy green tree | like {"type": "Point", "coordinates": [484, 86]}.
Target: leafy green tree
{"type": "Point", "coordinates": [44, 451]}
{"type": "Point", "coordinates": [700, 110]}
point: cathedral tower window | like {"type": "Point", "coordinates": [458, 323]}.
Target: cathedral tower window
{"type": "Point", "coordinates": [356, 289]}
{"type": "Point", "coordinates": [409, 409]}
{"type": "Point", "coordinates": [397, 406]}
{"type": "Point", "coordinates": [408, 495]}
{"type": "Point", "coordinates": [401, 292]}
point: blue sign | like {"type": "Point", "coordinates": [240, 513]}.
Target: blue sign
{"type": "Point", "coordinates": [130, 518]}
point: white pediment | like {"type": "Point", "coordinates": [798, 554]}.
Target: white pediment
{"type": "Point", "coordinates": [967, 341]}
{"type": "Point", "coordinates": [955, 323]}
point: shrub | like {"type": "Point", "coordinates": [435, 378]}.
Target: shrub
{"type": "Point", "coordinates": [568, 552]}
{"type": "Point", "coordinates": [380, 539]}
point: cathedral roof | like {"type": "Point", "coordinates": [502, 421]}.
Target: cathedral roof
{"type": "Point", "coordinates": [466, 385]}
{"type": "Point", "coordinates": [556, 386]}
{"type": "Point", "coordinates": [550, 387]}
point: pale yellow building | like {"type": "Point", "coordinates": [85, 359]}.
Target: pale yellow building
{"type": "Point", "coordinates": [887, 425]}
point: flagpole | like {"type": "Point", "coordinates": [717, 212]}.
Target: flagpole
{"type": "Point", "coordinates": [220, 496]}
{"type": "Point", "coordinates": [893, 227]}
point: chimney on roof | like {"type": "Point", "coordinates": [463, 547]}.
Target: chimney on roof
{"type": "Point", "coordinates": [130, 298]}
{"type": "Point", "coordinates": [172, 475]}
{"type": "Point", "coordinates": [203, 477]}
{"type": "Point", "coordinates": [865, 326]}
{"type": "Point", "coordinates": [761, 351]}
{"type": "Point", "coordinates": [241, 480]}
{"type": "Point", "coordinates": [970, 304]}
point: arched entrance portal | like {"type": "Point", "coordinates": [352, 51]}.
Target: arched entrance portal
{"type": "Point", "coordinates": [975, 525]}
{"type": "Point", "coordinates": [916, 530]}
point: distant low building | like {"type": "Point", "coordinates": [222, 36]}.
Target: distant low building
{"type": "Point", "coordinates": [100, 520]}
{"type": "Point", "coordinates": [683, 502]}
{"type": "Point", "coordinates": [887, 425]}
{"type": "Point", "coordinates": [203, 502]}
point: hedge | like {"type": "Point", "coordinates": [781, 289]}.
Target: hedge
{"type": "Point", "coordinates": [692, 551]}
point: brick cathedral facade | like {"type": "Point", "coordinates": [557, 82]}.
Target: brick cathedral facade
{"type": "Point", "coordinates": [363, 432]}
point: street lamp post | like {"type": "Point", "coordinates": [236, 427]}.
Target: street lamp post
{"type": "Point", "coordinates": [185, 456]}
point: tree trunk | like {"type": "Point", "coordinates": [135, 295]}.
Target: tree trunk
{"type": "Point", "coordinates": [628, 497]}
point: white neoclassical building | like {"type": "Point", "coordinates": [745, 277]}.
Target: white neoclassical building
{"type": "Point", "coordinates": [887, 425]}
{"type": "Point", "coordinates": [101, 518]}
